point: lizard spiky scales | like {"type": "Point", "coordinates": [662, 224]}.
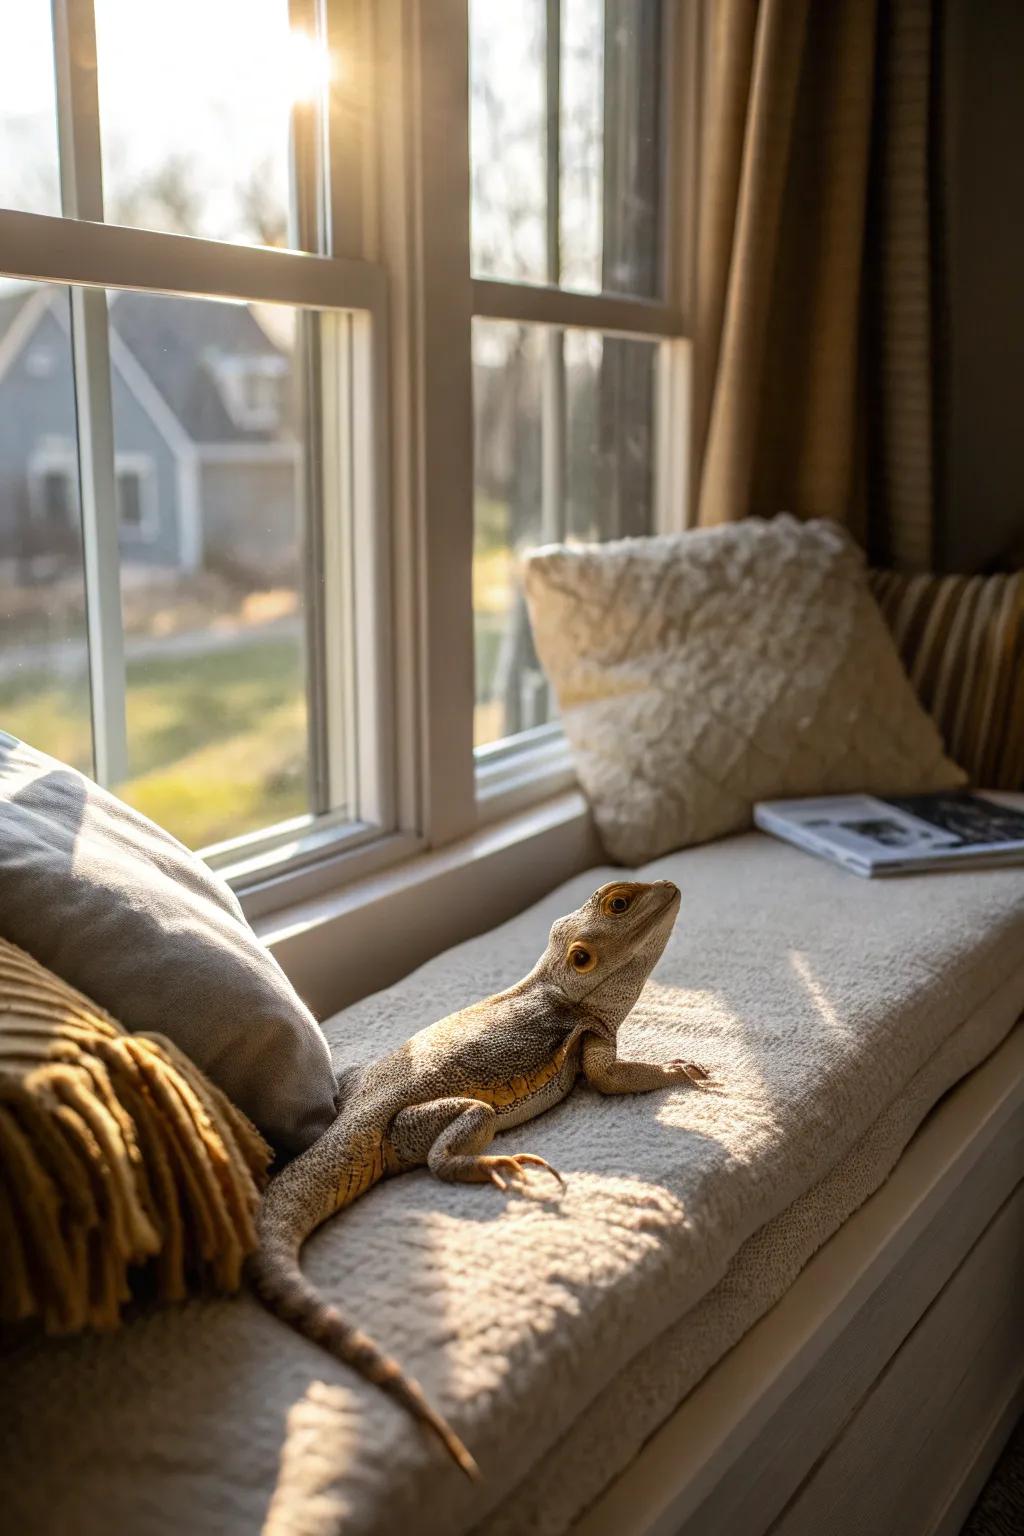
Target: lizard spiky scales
{"type": "Point", "coordinates": [439, 1099]}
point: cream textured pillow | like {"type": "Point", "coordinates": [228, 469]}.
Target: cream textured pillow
{"type": "Point", "coordinates": [699, 673]}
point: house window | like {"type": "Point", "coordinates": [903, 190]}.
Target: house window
{"type": "Point", "coordinates": [129, 499]}
{"type": "Point", "coordinates": [57, 498]}
{"type": "Point", "coordinates": [261, 395]}
{"type": "Point", "coordinates": [339, 329]}
{"type": "Point", "coordinates": [52, 475]}
{"type": "Point", "coordinates": [253, 389]}
{"type": "Point", "coordinates": [138, 506]}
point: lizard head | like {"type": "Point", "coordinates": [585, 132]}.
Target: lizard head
{"type": "Point", "coordinates": [601, 955]}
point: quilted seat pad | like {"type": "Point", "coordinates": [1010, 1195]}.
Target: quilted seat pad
{"type": "Point", "coordinates": [814, 998]}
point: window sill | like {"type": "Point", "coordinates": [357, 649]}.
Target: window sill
{"type": "Point", "coordinates": [343, 944]}
{"type": "Point", "coordinates": [513, 775]}
{"type": "Point", "coordinates": [281, 877]}
{"type": "Point", "coordinates": [274, 873]}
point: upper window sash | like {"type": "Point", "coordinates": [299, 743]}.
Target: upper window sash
{"type": "Point", "coordinates": [671, 257]}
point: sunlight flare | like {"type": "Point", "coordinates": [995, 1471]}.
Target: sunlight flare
{"type": "Point", "coordinates": [307, 68]}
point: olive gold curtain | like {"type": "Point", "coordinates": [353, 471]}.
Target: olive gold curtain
{"type": "Point", "coordinates": [814, 356]}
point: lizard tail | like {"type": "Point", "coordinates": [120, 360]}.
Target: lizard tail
{"type": "Point", "coordinates": [283, 1288]}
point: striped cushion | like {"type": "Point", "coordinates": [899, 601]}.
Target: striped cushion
{"type": "Point", "coordinates": [962, 641]}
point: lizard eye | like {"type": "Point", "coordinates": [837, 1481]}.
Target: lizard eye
{"type": "Point", "coordinates": [617, 903]}
{"type": "Point", "coordinates": [581, 958]}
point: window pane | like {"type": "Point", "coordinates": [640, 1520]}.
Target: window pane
{"type": "Point", "coordinates": [211, 560]}
{"type": "Point", "coordinates": [564, 449]}
{"type": "Point", "coordinates": [508, 127]}
{"type": "Point", "coordinates": [610, 448]}
{"type": "Point", "coordinates": [195, 104]}
{"type": "Point", "coordinates": [44, 687]}
{"type": "Point", "coordinates": [581, 145]}
{"type": "Point", "coordinates": [606, 96]}
{"type": "Point", "coordinates": [29, 177]}
{"type": "Point", "coordinates": [508, 377]}
{"type": "Point", "coordinates": [610, 172]}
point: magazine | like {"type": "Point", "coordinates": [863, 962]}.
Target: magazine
{"type": "Point", "coordinates": [899, 834]}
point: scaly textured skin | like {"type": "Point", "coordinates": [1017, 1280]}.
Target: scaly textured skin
{"type": "Point", "coordinates": [439, 1099]}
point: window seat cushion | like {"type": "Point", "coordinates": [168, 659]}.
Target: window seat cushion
{"type": "Point", "coordinates": [821, 1003]}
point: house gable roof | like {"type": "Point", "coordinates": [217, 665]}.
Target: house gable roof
{"type": "Point", "coordinates": [177, 343]}
{"type": "Point", "coordinates": [11, 305]}
{"type": "Point", "coordinates": [20, 312]}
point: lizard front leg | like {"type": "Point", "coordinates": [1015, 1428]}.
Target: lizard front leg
{"type": "Point", "coordinates": [450, 1135]}
{"type": "Point", "coordinates": [605, 1072]}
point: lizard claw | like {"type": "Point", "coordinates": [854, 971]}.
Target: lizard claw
{"type": "Point", "coordinates": [692, 1071]}
{"type": "Point", "coordinates": [540, 1162]}
{"type": "Point", "coordinates": [514, 1167]}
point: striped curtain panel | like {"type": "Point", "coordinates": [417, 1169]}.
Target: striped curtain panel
{"type": "Point", "coordinates": [813, 367]}
{"type": "Point", "coordinates": [962, 642]}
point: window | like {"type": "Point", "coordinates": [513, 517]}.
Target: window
{"type": "Point", "coordinates": [138, 509]}
{"type": "Point", "coordinates": [252, 388]}
{"type": "Point", "coordinates": [570, 207]}
{"type": "Point", "coordinates": [306, 334]}
{"type": "Point", "coordinates": [56, 501]}
{"type": "Point", "coordinates": [212, 401]}
{"type": "Point", "coordinates": [216, 593]}
{"type": "Point", "coordinates": [129, 500]}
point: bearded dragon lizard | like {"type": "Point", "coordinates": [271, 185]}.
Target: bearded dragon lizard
{"type": "Point", "coordinates": [439, 1099]}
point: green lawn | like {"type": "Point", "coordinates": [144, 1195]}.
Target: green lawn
{"type": "Point", "coordinates": [217, 743]}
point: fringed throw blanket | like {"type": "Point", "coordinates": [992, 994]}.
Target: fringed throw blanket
{"type": "Point", "coordinates": [115, 1152]}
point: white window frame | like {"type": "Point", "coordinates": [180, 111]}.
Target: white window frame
{"type": "Point", "coordinates": [388, 223]}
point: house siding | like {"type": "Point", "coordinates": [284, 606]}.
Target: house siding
{"type": "Point", "coordinates": [250, 513]}
{"type": "Point", "coordinates": [37, 417]}
{"type": "Point", "coordinates": [217, 491]}
{"type": "Point", "coordinates": [135, 433]}
{"type": "Point", "coordinates": [37, 413]}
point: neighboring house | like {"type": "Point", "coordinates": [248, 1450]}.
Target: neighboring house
{"type": "Point", "coordinates": [207, 458]}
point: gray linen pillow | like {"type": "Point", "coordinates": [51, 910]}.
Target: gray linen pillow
{"type": "Point", "coordinates": [125, 913]}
